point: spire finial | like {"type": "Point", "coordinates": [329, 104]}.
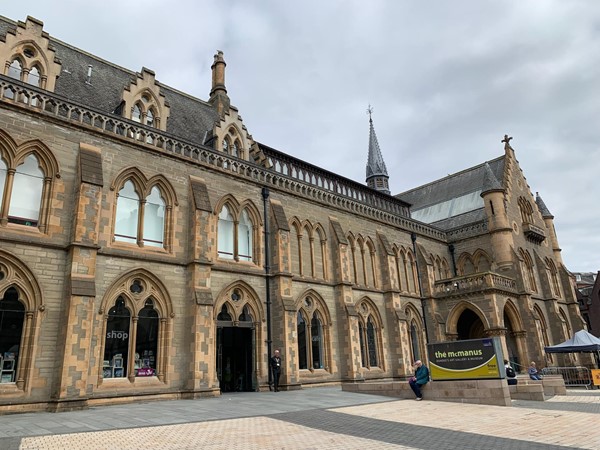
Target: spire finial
{"type": "Point", "coordinates": [369, 112]}
{"type": "Point", "coordinates": [506, 141]}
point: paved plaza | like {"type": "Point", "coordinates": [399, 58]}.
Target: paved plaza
{"type": "Point", "coordinates": [319, 418]}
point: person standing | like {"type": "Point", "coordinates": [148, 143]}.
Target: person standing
{"type": "Point", "coordinates": [275, 363]}
{"type": "Point", "coordinates": [511, 375]}
{"type": "Point", "coordinates": [420, 379]}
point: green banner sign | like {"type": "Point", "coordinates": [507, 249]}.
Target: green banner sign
{"type": "Point", "coordinates": [466, 360]}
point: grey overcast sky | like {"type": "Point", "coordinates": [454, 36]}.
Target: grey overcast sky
{"type": "Point", "coordinates": [447, 79]}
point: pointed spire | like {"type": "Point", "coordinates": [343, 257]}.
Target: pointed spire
{"type": "Point", "coordinates": [546, 214]}
{"type": "Point", "coordinates": [490, 182]}
{"type": "Point", "coordinates": [377, 175]}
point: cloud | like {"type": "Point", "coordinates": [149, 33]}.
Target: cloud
{"type": "Point", "coordinates": [447, 80]}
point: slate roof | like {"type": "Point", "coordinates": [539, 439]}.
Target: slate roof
{"type": "Point", "coordinates": [190, 118]}
{"type": "Point", "coordinates": [455, 200]}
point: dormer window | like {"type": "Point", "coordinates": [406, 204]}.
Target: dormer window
{"type": "Point", "coordinates": [33, 77]}
{"type": "Point", "coordinates": [136, 114]}
{"type": "Point", "coordinates": [150, 118]}
{"type": "Point", "coordinates": [15, 70]}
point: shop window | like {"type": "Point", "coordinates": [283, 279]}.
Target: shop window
{"type": "Point", "coordinates": [12, 317]}
{"type": "Point", "coordinates": [116, 345]}
{"type": "Point", "coordinates": [144, 331]}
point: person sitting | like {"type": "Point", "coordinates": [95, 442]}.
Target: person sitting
{"type": "Point", "coordinates": [420, 379]}
{"type": "Point", "coordinates": [534, 374]}
{"type": "Point", "coordinates": [511, 375]}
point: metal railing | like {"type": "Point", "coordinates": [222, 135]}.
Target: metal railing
{"type": "Point", "coordinates": [573, 376]}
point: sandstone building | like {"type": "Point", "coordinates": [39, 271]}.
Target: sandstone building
{"type": "Point", "coordinates": [152, 248]}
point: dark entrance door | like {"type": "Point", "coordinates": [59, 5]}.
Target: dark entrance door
{"type": "Point", "coordinates": [234, 358]}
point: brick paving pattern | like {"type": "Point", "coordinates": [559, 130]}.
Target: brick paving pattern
{"type": "Point", "coordinates": [320, 418]}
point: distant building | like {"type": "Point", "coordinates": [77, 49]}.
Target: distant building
{"type": "Point", "coordinates": [588, 296]}
{"type": "Point", "coordinates": [150, 247]}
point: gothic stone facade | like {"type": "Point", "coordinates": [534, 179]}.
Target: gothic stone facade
{"type": "Point", "coordinates": [133, 220]}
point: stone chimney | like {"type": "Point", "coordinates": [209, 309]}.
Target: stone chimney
{"type": "Point", "coordinates": [218, 92]}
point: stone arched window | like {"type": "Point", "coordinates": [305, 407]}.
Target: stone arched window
{"type": "Point", "coordinates": [15, 69]}
{"type": "Point", "coordinates": [415, 331]}
{"type": "Point", "coordinates": [566, 327]}
{"type": "Point", "coordinates": [144, 210]}
{"type": "Point", "coordinates": [554, 283]}
{"type": "Point", "coordinates": [12, 321]}
{"type": "Point", "coordinates": [26, 181]}
{"type": "Point", "coordinates": [296, 247]}
{"type": "Point", "coordinates": [466, 266]}
{"type": "Point", "coordinates": [529, 270]}
{"type": "Point", "coordinates": [237, 228]}
{"type": "Point", "coordinates": [353, 259]}
{"type": "Point", "coordinates": [231, 143]}
{"type": "Point", "coordinates": [398, 257]}
{"type": "Point", "coordinates": [136, 327]}
{"type": "Point", "coordinates": [526, 210]}
{"type": "Point", "coordinates": [34, 76]}
{"type": "Point", "coordinates": [21, 309]}
{"type": "Point", "coordinates": [312, 329]}
{"type": "Point", "coordinates": [369, 329]}
{"type": "Point", "coordinates": [542, 330]}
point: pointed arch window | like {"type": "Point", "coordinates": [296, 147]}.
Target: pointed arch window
{"type": "Point", "coordinates": [142, 221]}
{"type": "Point", "coordinates": [33, 77]}
{"type": "Point", "coordinates": [12, 318]}
{"type": "Point", "coordinates": [136, 113]}
{"type": "Point", "coordinates": [150, 118]}
{"type": "Point", "coordinates": [316, 338]}
{"type": "Point", "coordinates": [27, 189]}
{"type": "Point", "coordinates": [154, 219]}
{"type": "Point", "coordinates": [15, 70]}
{"type": "Point", "coordinates": [235, 149]}
{"type": "Point", "coordinates": [128, 206]}
{"type": "Point", "coordinates": [131, 341]}
{"type": "Point", "coordinates": [245, 237]}
{"type": "Point", "coordinates": [226, 236]}
{"type": "Point", "coordinates": [369, 336]}
{"type": "Point", "coordinates": [414, 342]}
{"type": "Point", "coordinates": [302, 342]}
{"type": "Point", "coordinates": [236, 234]}
{"type": "Point", "coordinates": [116, 344]}
{"type": "Point", "coordinates": [312, 335]}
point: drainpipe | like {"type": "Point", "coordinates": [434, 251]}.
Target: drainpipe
{"type": "Point", "coordinates": [265, 196]}
{"type": "Point", "coordinates": [451, 248]}
{"type": "Point", "coordinates": [413, 238]}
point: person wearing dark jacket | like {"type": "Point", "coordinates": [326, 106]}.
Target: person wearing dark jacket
{"type": "Point", "coordinates": [275, 363]}
{"type": "Point", "coordinates": [420, 379]}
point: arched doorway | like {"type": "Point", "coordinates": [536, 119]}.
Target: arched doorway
{"type": "Point", "coordinates": [236, 341]}
{"type": "Point", "coordinates": [469, 326]}
{"type": "Point", "coordinates": [511, 342]}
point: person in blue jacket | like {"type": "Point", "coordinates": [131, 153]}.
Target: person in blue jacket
{"type": "Point", "coordinates": [420, 379]}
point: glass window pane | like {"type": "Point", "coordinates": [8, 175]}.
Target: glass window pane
{"type": "Point", "coordinates": [15, 69]}
{"type": "Point", "coordinates": [414, 340]}
{"type": "Point", "coordinates": [12, 317]}
{"type": "Point", "coordinates": [26, 196]}
{"type": "Point", "coordinates": [245, 237]}
{"type": "Point", "coordinates": [302, 349]}
{"type": "Point", "coordinates": [372, 343]}
{"type": "Point", "coordinates": [224, 314]}
{"type": "Point", "coordinates": [363, 350]}
{"type": "Point", "coordinates": [150, 118]}
{"type": "Point", "coordinates": [136, 114]}
{"type": "Point", "coordinates": [126, 222]}
{"type": "Point", "coordinates": [3, 172]}
{"type": "Point", "coordinates": [316, 334]}
{"type": "Point", "coordinates": [235, 148]}
{"type": "Point", "coordinates": [225, 234]}
{"type": "Point", "coordinates": [34, 77]}
{"type": "Point", "coordinates": [146, 341]}
{"type": "Point", "coordinates": [154, 219]}
{"type": "Point", "coordinates": [116, 342]}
